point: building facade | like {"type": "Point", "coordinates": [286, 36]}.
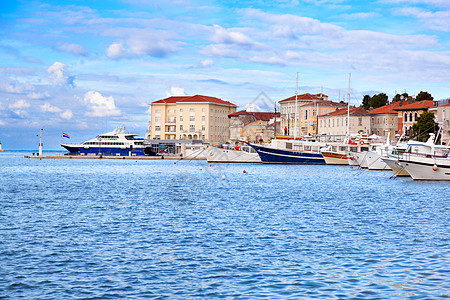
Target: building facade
{"type": "Point", "coordinates": [334, 124]}
{"type": "Point", "coordinates": [292, 117]}
{"type": "Point", "coordinates": [443, 118]}
{"type": "Point", "coordinates": [253, 127]}
{"type": "Point", "coordinates": [191, 117]}
{"type": "Point", "coordinates": [408, 114]}
{"type": "Point", "coordinates": [384, 120]}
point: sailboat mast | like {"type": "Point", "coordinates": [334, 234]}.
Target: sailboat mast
{"type": "Point", "coordinates": [296, 108]}
{"type": "Point", "coordinates": [348, 107]}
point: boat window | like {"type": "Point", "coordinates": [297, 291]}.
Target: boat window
{"type": "Point", "coordinates": [364, 148]}
{"type": "Point", "coordinates": [288, 145]}
{"type": "Point", "coordinates": [354, 149]}
{"type": "Point", "coordinates": [342, 148]}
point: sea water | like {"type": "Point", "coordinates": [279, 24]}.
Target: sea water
{"type": "Point", "coordinates": [99, 228]}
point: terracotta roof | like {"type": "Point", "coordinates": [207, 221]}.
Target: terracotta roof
{"type": "Point", "coordinates": [387, 109]}
{"type": "Point", "coordinates": [324, 103]}
{"type": "Point", "coordinates": [304, 97]}
{"type": "Point", "coordinates": [190, 99]}
{"type": "Point", "coordinates": [263, 116]}
{"type": "Point", "coordinates": [417, 105]}
{"type": "Point", "coordinates": [446, 105]}
{"type": "Point", "coordinates": [343, 111]}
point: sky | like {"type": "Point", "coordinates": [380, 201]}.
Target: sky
{"type": "Point", "coordinates": [85, 67]}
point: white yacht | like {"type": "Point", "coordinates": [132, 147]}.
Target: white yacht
{"type": "Point", "coordinates": [237, 154]}
{"type": "Point", "coordinates": [116, 142]}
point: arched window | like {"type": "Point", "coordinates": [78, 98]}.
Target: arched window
{"type": "Point", "coordinates": [406, 117]}
{"type": "Point", "coordinates": [415, 117]}
{"type": "Point", "coordinates": [410, 117]}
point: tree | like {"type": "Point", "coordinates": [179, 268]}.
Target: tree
{"type": "Point", "coordinates": [375, 101]}
{"type": "Point", "coordinates": [424, 96]}
{"type": "Point", "coordinates": [366, 101]}
{"type": "Point", "coordinates": [398, 97]}
{"type": "Point", "coordinates": [424, 126]}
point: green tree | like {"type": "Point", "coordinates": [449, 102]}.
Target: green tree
{"type": "Point", "coordinates": [379, 100]}
{"type": "Point", "coordinates": [424, 96]}
{"type": "Point", "coordinates": [366, 101]}
{"type": "Point", "coordinates": [424, 126]}
{"type": "Point", "coordinates": [398, 97]}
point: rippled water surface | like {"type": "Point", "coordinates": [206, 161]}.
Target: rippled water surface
{"type": "Point", "coordinates": [155, 229]}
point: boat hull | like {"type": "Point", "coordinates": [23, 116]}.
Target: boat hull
{"type": "Point", "coordinates": [393, 163]}
{"type": "Point", "coordinates": [375, 163]}
{"type": "Point", "coordinates": [218, 155]}
{"type": "Point", "coordinates": [270, 155]}
{"type": "Point", "coordinates": [114, 151]}
{"type": "Point", "coordinates": [424, 168]}
{"type": "Point", "coordinates": [334, 158]}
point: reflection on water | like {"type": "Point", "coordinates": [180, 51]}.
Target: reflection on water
{"type": "Point", "coordinates": [149, 229]}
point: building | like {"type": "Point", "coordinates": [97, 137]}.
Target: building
{"type": "Point", "coordinates": [191, 117]}
{"type": "Point", "coordinates": [334, 124]}
{"type": "Point", "coordinates": [252, 126]}
{"type": "Point", "coordinates": [288, 111]}
{"type": "Point", "coordinates": [309, 113]}
{"type": "Point", "coordinates": [384, 119]}
{"type": "Point", "coordinates": [443, 118]}
{"type": "Point", "coordinates": [408, 114]}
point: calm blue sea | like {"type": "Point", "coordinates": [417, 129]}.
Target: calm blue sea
{"type": "Point", "coordinates": [107, 229]}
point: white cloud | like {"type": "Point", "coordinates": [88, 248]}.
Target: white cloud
{"type": "Point", "coordinates": [73, 48]}
{"type": "Point", "coordinates": [19, 104]}
{"type": "Point", "coordinates": [116, 50]}
{"type": "Point", "coordinates": [58, 75]}
{"type": "Point", "coordinates": [175, 91]}
{"type": "Point", "coordinates": [2, 123]}
{"type": "Point", "coordinates": [252, 107]}
{"type": "Point", "coordinates": [67, 114]}
{"type": "Point", "coordinates": [38, 95]}
{"type": "Point", "coordinates": [47, 107]}
{"type": "Point", "coordinates": [100, 106]}
{"type": "Point", "coordinates": [439, 20]}
{"type": "Point", "coordinates": [207, 63]}
{"type": "Point", "coordinates": [220, 50]}
{"type": "Point", "coordinates": [229, 36]}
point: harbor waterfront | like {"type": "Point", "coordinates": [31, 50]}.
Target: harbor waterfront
{"type": "Point", "coordinates": [126, 228]}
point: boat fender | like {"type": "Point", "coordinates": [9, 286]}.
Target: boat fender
{"type": "Point", "coordinates": [435, 168]}
{"type": "Point", "coordinates": [361, 143]}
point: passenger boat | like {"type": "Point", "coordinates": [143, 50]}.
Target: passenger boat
{"type": "Point", "coordinates": [116, 142]}
{"type": "Point", "coordinates": [338, 153]}
{"type": "Point", "coordinates": [290, 152]}
{"type": "Point", "coordinates": [237, 154]}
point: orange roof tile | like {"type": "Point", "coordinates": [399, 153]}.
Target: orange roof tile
{"type": "Point", "coordinates": [425, 104]}
{"type": "Point", "coordinates": [387, 109]}
{"type": "Point", "coordinates": [264, 116]}
{"type": "Point", "coordinates": [325, 103]}
{"type": "Point", "coordinates": [303, 97]}
{"type": "Point", "coordinates": [190, 99]}
{"type": "Point", "coordinates": [343, 111]}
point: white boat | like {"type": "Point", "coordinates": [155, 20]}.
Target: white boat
{"type": "Point", "coordinates": [239, 154]}
{"type": "Point", "coordinates": [395, 166]}
{"type": "Point", "coordinates": [117, 142]}
{"type": "Point", "coordinates": [339, 153]}
{"type": "Point", "coordinates": [426, 161]}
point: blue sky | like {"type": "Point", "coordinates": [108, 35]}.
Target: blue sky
{"type": "Point", "coordinates": [84, 67]}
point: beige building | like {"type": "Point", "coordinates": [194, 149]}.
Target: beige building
{"type": "Point", "coordinates": [253, 126]}
{"type": "Point", "coordinates": [443, 118]}
{"type": "Point", "coordinates": [334, 124]}
{"type": "Point", "coordinates": [408, 114]}
{"type": "Point", "coordinates": [191, 117]}
{"type": "Point", "coordinates": [288, 112]}
{"type": "Point", "coordinates": [384, 120]}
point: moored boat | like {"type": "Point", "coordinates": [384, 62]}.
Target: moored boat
{"type": "Point", "coordinates": [117, 143]}
{"type": "Point", "coordinates": [242, 154]}
{"type": "Point", "coordinates": [290, 152]}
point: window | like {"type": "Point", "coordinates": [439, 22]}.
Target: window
{"type": "Point", "coordinates": [157, 111]}
{"type": "Point", "coordinates": [203, 127]}
{"type": "Point", "coordinates": [406, 117]}
{"type": "Point", "coordinates": [181, 111]}
{"type": "Point", "coordinates": [203, 110]}
{"type": "Point", "coordinates": [415, 117]}
{"type": "Point", "coordinates": [157, 119]}
{"type": "Point", "coordinates": [181, 127]}
{"type": "Point", "coordinates": [410, 117]}
{"type": "Point", "coordinates": [192, 118]}
{"type": "Point", "coordinates": [191, 110]}
{"type": "Point", "coordinates": [360, 121]}
{"type": "Point", "coordinates": [157, 128]}
{"type": "Point", "coordinates": [171, 111]}
{"type": "Point", "coordinates": [306, 114]}
{"type": "Point", "coordinates": [203, 118]}
{"type": "Point", "coordinates": [181, 118]}
{"type": "Point", "coordinates": [192, 128]}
